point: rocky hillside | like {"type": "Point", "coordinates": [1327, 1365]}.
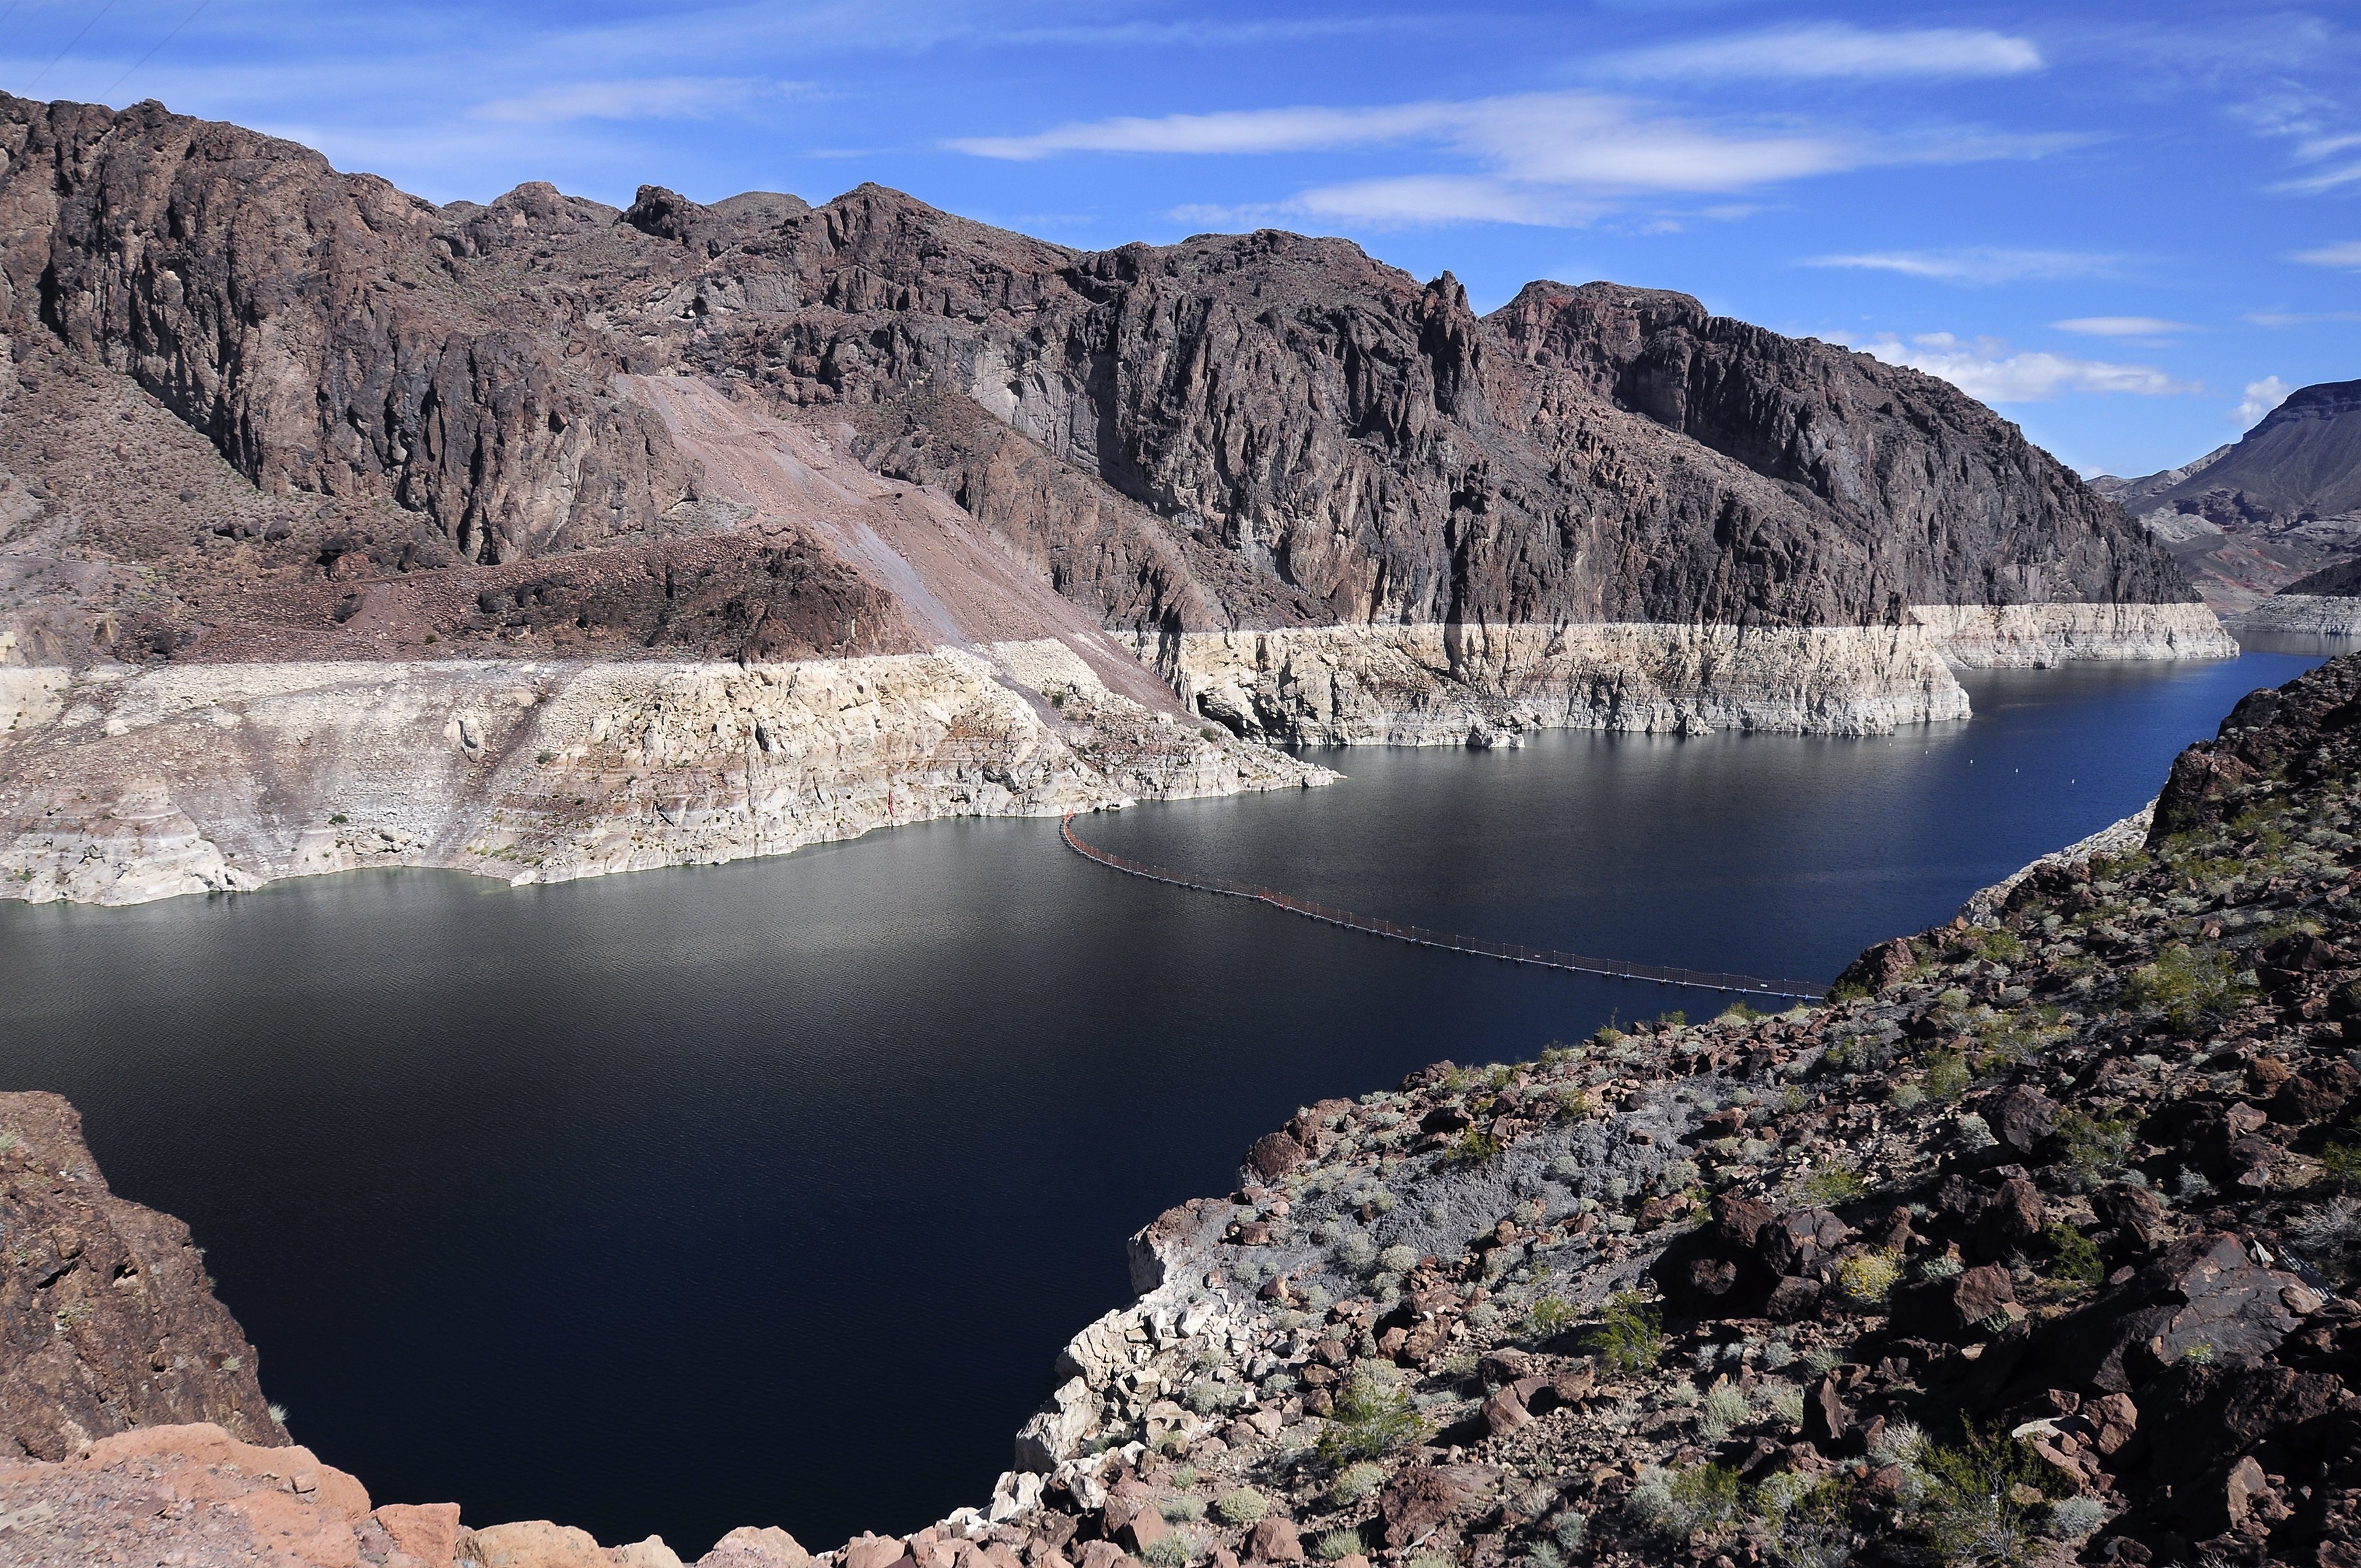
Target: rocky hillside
{"type": "Point", "coordinates": [2284, 501]}
{"type": "Point", "coordinates": [2038, 1242]}
{"type": "Point", "coordinates": [1247, 430]}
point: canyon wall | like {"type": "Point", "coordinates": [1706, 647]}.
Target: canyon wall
{"type": "Point", "coordinates": [2038, 636]}
{"type": "Point", "coordinates": [1478, 685]}
{"type": "Point", "coordinates": [118, 786]}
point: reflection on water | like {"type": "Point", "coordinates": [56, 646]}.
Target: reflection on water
{"type": "Point", "coordinates": [765, 1193]}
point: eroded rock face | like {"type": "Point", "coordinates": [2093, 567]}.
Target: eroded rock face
{"type": "Point", "coordinates": [106, 1320]}
{"type": "Point", "coordinates": [1244, 430]}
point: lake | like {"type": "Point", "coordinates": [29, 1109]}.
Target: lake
{"type": "Point", "coordinates": [765, 1193]}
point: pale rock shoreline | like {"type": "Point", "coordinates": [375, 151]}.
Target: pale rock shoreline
{"type": "Point", "coordinates": [119, 787]}
{"type": "Point", "coordinates": [2305, 615]}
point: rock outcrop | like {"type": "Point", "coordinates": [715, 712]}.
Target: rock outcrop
{"type": "Point", "coordinates": [107, 1320]}
{"type": "Point", "coordinates": [118, 786]}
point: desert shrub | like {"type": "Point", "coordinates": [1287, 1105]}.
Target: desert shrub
{"type": "Point", "coordinates": [1776, 1355]}
{"type": "Point", "coordinates": [1908, 1095]}
{"type": "Point", "coordinates": [1630, 1337]}
{"type": "Point", "coordinates": [1823, 1359]}
{"type": "Point", "coordinates": [1173, 1551]}
{"type": "Point", "coordinates": [1866, 1277]}
{"type": "Point", "coordinates": [2094, 1148]}
{"type": "Point", "coordinates": [1900, 1443]}
{"type": "Point", "coordinates": [1941, 1266]}
{"type": "Point", "coordinates": [2073, 1260]}
{"type": "Point", "coordinates": [2341, 1160]}
{"type": "Point", "coordinates": [1946, 1077]}
{"type": "Point", "coordinates": [1242, 1506]}
{"type": "Point", "coordinates": [1726, 1409]}
{"type": "Point", "coordinates": [1572, 1526]}
{"type": "Point", "coordinates": [1785, 1400]}
{"type": "Point", "coordinates": [1182, 1510]}
{"type": "Point", "coordinates": [1212, 1396]}
{"type": "Point", "coordinates": [1979, 1495]}
{"type": "Point", "coordinates": [2192, 988]}
{"type": "Point", "coordinates": [1472, 1147]}
{"type": "Point", "coordinates": [1356, 1484]}
{"type": "Point", "coordinates": [1679, 1503]}
{"type": "Point", "coordinates": [2073, 1519]}
{"type": "Point", "coordinates": [2329, 1236]}
{"type": "Point", "coordinates": [1336, 1544]}
{"type": "Point", "coordinates": [1432, 1559]}
{"type": "Point", "coordinates": [1185, 1476]}
{"type": "Point", "coordinates": [1373, 1415]}
{"type": "Point", "coordinates": [1830, 1186]}
{"type": "Point", "coordinates": [1548, 1317]}
{"type": "Point", "coordinates": [1546, 1554]}
{"type": "Point", "coordinates": [1809, 1523]}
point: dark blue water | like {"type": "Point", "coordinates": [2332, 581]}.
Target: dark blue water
{"type": "Point", "coordinates": [765, 1193]}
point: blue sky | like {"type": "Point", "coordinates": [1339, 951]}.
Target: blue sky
{"type": "Point", "coordinates": [2131, 227]}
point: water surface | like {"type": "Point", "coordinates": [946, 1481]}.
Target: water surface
{"type": "Point", "coordinates": [765, 1193]}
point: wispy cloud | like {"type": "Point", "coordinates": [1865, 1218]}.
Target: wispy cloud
{"type": "Point", "coordinates": [641, 98]}
{"type": "Point", "coordinates": [2122, 326]}
{"type": "Point", "coordinates": [2347, 256]}
{"type": "Point", "coordinates": [1541, 157]}
{"type": "Point", "coordinates": [1989, 369]}
{"type": "Point", "coordinates": [1834, 50]}
{"type": "Point", "coordinates": [1977, 265]}
{"type": "Point", "coordinates": [2262, 397]}
{"type": "Point", "coordinates": [2297, 318]}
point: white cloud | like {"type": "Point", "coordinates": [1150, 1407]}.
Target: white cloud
{"type": "Point", "coordinates": [1414, 200]}
{"type": "Point", "coordinates": [1980, 265]}
{"type": "Point", "coordinates": [2122, 326]}
{"type": "Point", "coordinates": [643, 98]}
{"type": "Point", "coordinates": [1990, 370]}
{"type": "Point", "coordinates": [1825, 50]}
{"type": "Point", "coordinates": [1304, 129]}
{"type": "Point", "coordinates": [1538, 158]}
{"type": "Point", "coordinates": [2347, 255]}
{"type": "Point", "coordinates": [2262, 397]}
{"type": "Point", "coordinates": [2299, 318]}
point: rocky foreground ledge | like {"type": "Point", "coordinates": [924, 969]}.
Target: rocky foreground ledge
{"type": "Point", "coordinates": [2034, 1244]}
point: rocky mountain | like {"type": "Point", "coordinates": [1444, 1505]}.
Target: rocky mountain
{"type": "Point", "coordinates": [1244, 430]}
{"type": "Point", "coordinates": [2283, 501]}
{"type": "Point", "coordinates": [2036, 1242]}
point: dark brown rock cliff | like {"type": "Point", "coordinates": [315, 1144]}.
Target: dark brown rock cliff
{"type": "Point", "coordinates": [1249, 430]}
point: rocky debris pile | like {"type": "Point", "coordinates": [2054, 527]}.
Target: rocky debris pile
{"type": "Point", "coordinates": [2036, 1242]}
{"type": "Point", "coordinates": [107, 1320]}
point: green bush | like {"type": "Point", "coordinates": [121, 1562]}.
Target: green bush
{"type": "Point", "coordinates": [1373, 1415]}
{"type": "Point", "coordinates": [1631, 1336]}
{"type": "Point", "coordinates": [2073, 1260]}
{"type": "Point", "coordinates": [1679, 1503]}
{"type": "Point", "coordinates": [1472, 1147]}
{"type": "Point", "coordinates": [1356, 1483]}
{"type": "Point", "coordinates": [2192, 988]}
{"type": "Point", "coordinates": [1809, 1523]}
{"type": "Point", "coordinates": [1336, 1544]}
{"type": "Point", "coordinates": [1979, 1496]}
{"type": "Point", "coordinates": [1866, 1277]}
{"type": "Point", "coordinates": [1173, 1551]}
{"type": "Point", "coordinates": [1242, 1506]}
{"type": "Point", "coordinates": [1548, 1316]}
{"type": "Point", "coordinates": [1946, 1075]}
{"type": "Point", "coordinates": [1830, 1186]}
{"type": "Point", "coordinates": [1182, 1510]}
{"type": "Point", "coordinates": [2095, 1147]}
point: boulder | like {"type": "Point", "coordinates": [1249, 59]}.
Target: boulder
{"type": "Point", "coordinates": [1826, 1420]}
{"type": "Point", "coordinates": [750, 1546]}
{"type": "Point", "coordinates": [1417, 1501]}
{"type": "Point", "coordinates": [1273, 1155]}
{"type": "Point", "coordinates": [2011, 1218]}
{"type": "Point", "coordinates": [1274, 1540]}
{"type": "Point", "coordinates": [1952, 1310]}
{"type": "Point", "coordinates": [427, 1531]}
{"type": "Point", "coordinates": [2202, 1290]}
{"type": "Point", "coordinates": [538, 1543]}
{"type": "Point", "coordinates": [2021, 1118]}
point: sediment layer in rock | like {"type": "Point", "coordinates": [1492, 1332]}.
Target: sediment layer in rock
{"type": "Point", "coordinates": [2305, 615]}
{"type": "Point", "coordinates": [118, 786]}
{"type": "Point", "coordinates": [2038, 636]}
{"type": "Point", "coordinates": [1437, 684]}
